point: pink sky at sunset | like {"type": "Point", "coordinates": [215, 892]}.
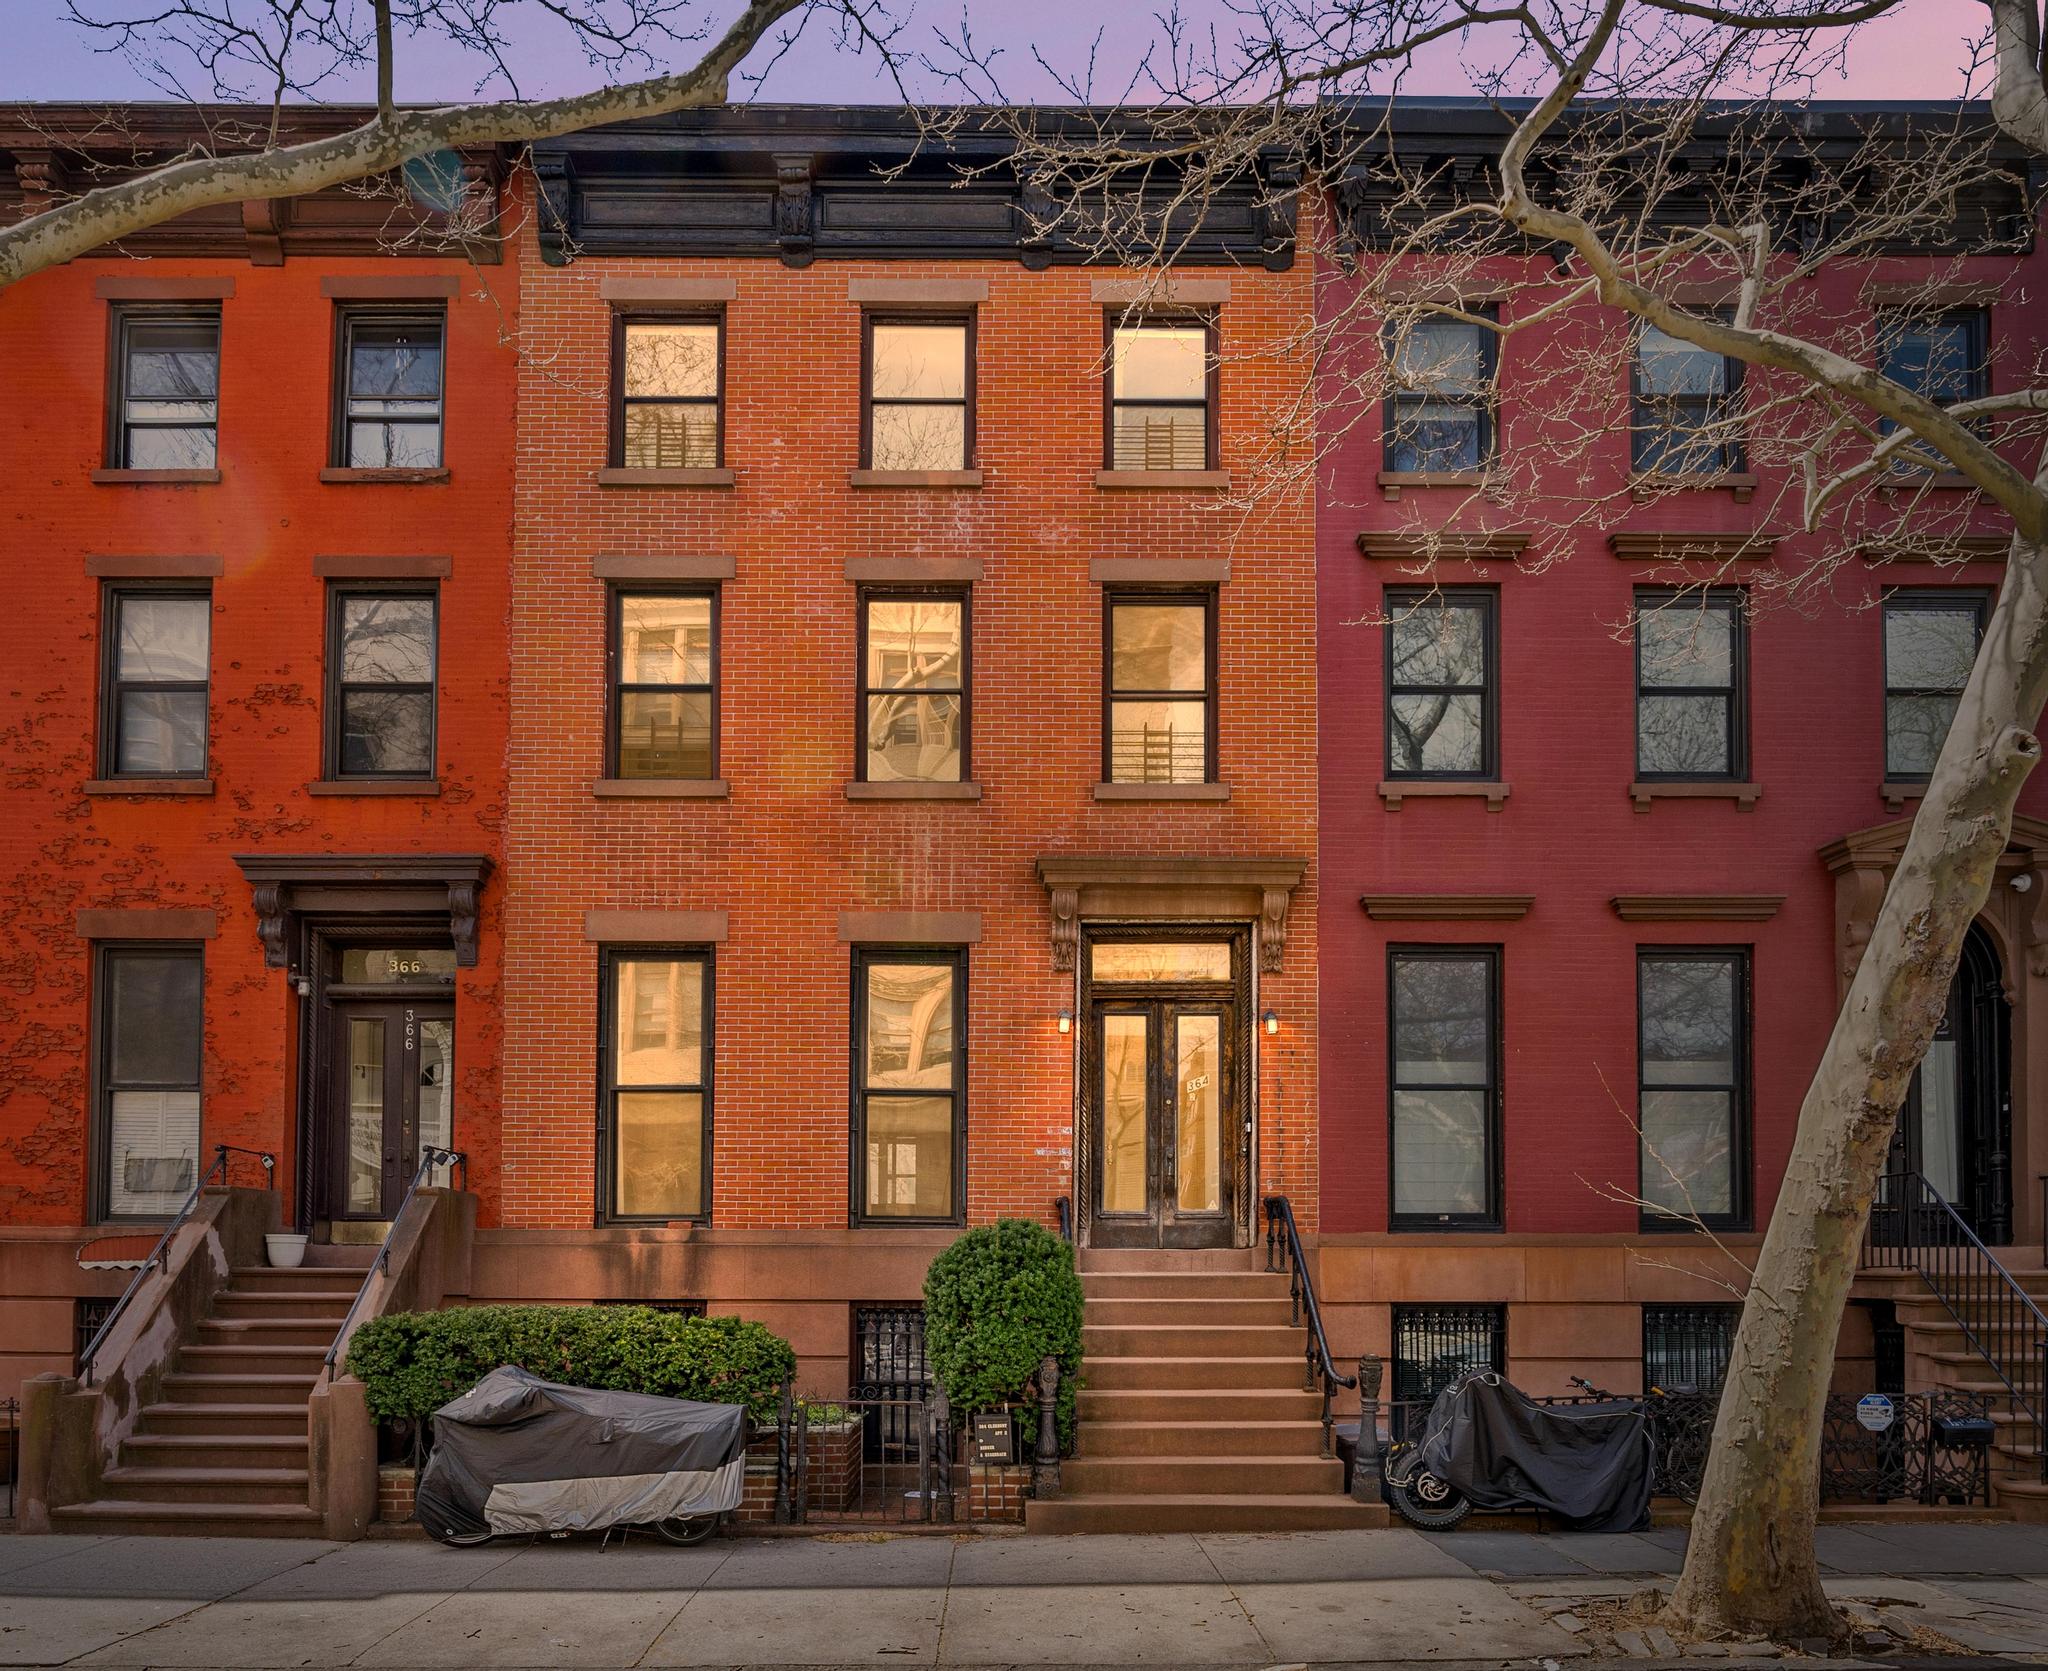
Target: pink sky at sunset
{"type": "Point", "coordinates": [1917, 52]}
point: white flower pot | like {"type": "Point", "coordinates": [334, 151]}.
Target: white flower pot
{"type": "Point", "coordinates": [286, 1248]}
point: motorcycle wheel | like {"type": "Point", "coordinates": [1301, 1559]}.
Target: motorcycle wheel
{"type": "Point", "coordinates": [1419, 1497]}
{"type": "Point", "coordinates": [695, 1529]}
{"type": "Point", "coordinates": [461, 1540]}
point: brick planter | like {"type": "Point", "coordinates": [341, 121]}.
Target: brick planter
{"type": "Point", "coordinates": [395, 1484]}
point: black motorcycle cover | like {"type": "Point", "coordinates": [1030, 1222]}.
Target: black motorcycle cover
{"type": "Point", "coordinates": [1588, 1464]}
{"type": "Point", "coordinates": [519, 1454]}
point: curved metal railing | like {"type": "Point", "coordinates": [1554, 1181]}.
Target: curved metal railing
{"type": "Point", "coordinates": [1063, 1209]}
{"type": "Point", "coordinates": [429, 1159]}
{"type": "Point", "coordinates": [1283, 1240]}
{"type": "Point", "coordinates": [157, 1254]}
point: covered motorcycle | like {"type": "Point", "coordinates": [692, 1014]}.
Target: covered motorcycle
{"type": "Point", "coordinates": [519, 1454]}
{"type": "Point", "coordinates": [1588, 1464]}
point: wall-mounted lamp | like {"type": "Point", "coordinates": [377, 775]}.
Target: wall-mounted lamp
{"type": "Point", "coordinates": [1272, 1020]}
{"type": "Point", "coordinates": [1066, 1021]}
{"type": "Point", "coordinates": [2022, 883]}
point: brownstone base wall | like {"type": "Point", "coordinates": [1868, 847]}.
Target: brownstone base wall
{"type": "Point", "coordinates": [395, 1494]}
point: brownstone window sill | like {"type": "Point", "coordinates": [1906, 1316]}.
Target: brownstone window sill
{"type": "Point", "coordinates": [1740, 483]}
{"type": "Point", "coordinates": [1897, 792]}
{"type": "Point", "coordinates": [1744, 795]}
{"type": "Point", "coordinates": [375, 786]}
{"type": "Point", "coordinates": [660, 789]}
{"type": "Point", "coordinates": [1162, 478]}
{"type": "Point", "coordinates": [1162, 791]}
{"type": "Point", "coordinates": [150, 786]}
{"type": "Point", "coordinates": [1396, 790]}
{"type": "Point", "coordinates": [610, 477]}
{"type": "Point", "coordinates": [897, 790]}
{"type": "Point", "coordinates": [1391, 482]}
{"type": "Point", "coordinates": [914, 478]}
{"type": "Point", "coordinates": [155, 478]}
{"type": "Point", "coordinates": [337, 476]}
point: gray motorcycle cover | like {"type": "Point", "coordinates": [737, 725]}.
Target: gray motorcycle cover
{"type": "Point", "coordinates": [519, 1454]}
{"type": "Point", "coordinates": [1588, 1464]}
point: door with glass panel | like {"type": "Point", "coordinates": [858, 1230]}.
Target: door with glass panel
{"type": "Point", "coordinates": [394, 1064]}
{"type": "Point", "coordinates": [1163, 1094]}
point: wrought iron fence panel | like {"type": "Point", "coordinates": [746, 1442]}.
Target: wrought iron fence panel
{"type": "Point", "coordinates": [890, 1372]}
{"type": "Point", "coordinates": [829, 1476]}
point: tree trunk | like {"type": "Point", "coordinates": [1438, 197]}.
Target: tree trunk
{"type": "Point", "coordinates": [1750, 1567]}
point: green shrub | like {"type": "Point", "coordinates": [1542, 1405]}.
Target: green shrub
{"type": "Point", "coordinates": [413, 1362]}
{"type": "Point", "coordinates": [997, 1301]}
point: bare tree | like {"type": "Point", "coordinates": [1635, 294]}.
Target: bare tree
{"type": "Point", "coordinates": [1650, 196]}
{"type": "Point", "coordinates": [651, 57]}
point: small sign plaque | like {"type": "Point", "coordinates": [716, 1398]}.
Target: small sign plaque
{"type": "Point", "coordinates": [1874, 1411]}
{"type": "Point", "coordinates": [995, 1438]}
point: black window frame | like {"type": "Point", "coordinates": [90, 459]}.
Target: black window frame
{"type": "Point", "coordinates": [1741, 1094]}
{"type": "Point", "coordinates": [1209, 598]}
{"type": "Point", "coordinates": [105, 953]}
{"type": "Point", "coordinates": [332, 730]}
{"type": "Point", "coordinates": [1926, 600]}
{"type": "Point", "coordinates": [121, 319]}
{"type": "Point", "coordinates": [1485, 400]}
{"type": "Point", "coordinates": [712, 314]}
{"type": "Point", "coordinates": [1695, 1318]}
{"type": "Point", "coordinates": [114, 596]}
{"type": "Point", "coordinates": [1493, 1216]}
{"type": "Point", "coordinates": [968, 320]}
{"type": "Point", "coordinates": [1395, 602]}
{"type": "Point", "coordinates": [864, 957]}
{"type": "Point", "coordinates": [1736, 694]}
{"type": "Point", "coordinates": [349, 315]}
{"type": "Point", "coordinates": [617, 687]}
{"type": "Point", "coordinates": [863, 597]}
{"type": "Point", "coordinates": [610, 957]}
{"type": "Point", "coordinates": [1722, 411]}
{"type": "Point", "coordinates": [1975, 317]}
{"type": "Point", "coordinates": [1116, 318]}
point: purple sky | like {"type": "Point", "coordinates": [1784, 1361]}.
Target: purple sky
{"type": "Point", "coordinates": [1916, 52]}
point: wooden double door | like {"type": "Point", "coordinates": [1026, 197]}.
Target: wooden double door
{"type": "Point", "coordinates": [1166, 1092]}
{"type": "Point", "coordinates": [394, 1068]}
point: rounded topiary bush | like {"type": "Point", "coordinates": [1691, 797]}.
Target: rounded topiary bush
{"type": "Point", "coordinates": [1000, 1299]}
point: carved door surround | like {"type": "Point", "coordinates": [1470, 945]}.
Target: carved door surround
{"type": "Point", "coordinates": [288, 887]}
{"type": "Point", "coordinates": [1166, 888]}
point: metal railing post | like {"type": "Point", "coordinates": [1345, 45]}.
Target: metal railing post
{"type": "Point", "coordinates": [783, 1410]}
{"type": "Point", "coordinates": [1365, 1462]}
{"type": "Point", "coordinates": [1045, 1460]}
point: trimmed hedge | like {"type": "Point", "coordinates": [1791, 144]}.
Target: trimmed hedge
{"type": "Point", "coordinates": [997, 1301]}
{"type": "Point", "coordinates": [413, 1362]}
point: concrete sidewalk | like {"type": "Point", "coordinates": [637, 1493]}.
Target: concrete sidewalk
{"type": "Point", "coordinates": [1320, 1598]}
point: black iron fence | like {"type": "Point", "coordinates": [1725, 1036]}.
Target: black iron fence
{"type": "Point", "coordinates": [890, 1374]}
{"type": "Point", "coordinates": [10, 1410]}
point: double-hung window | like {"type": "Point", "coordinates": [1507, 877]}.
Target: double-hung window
{"type": "Point", "coordinates": [909, 1084]}
{"type": "Point", "coordinates": [912, 715]}
{"type": "Point", "coordinates": [1441, 697]}
{"type": "Point", "coordinates": [1943, 357]}
{"type": "Point", "coordinates": [1692, 1007]}
{"type": "Point", "coordinates": [1439, 408]}
{"type": "Point", "coordinates": [917, 411]}
{"type": "Point", "coordinates": [1159, 696]}
{"type": "Point", "coordinates": [1444, 1086]}
{"type": "Point", "coordinates": [388, 403]}
{"type": "Point", "coordinates": [153, 705]}
{"type": "Point", "coordinates": [668, 391]}
{"type": "Point", "coordinates": [1160, 393]}
{"type": "Point", "coordinates": [665, 684]}
{"type": "Point", "coordinates": [1683, 407]}
{"type": "Point", "coordinates": [380, 661]}
{"type": "Point", "coordinates": [1930, 645]}
{"type": "Point", "coordinates": [166, 405]}
{"type": "Point", "coordinates": [148, 1023]}
{"type": "Point", "coordinates": [654, 1109]}
{"type": "Point", "coordinates": [1690, 675]}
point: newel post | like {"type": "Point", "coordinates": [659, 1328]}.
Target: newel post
{"type": "Point", "coordinates": [1365, 1465]}
{"type": "Point", "coordinates": [1045, 1460]}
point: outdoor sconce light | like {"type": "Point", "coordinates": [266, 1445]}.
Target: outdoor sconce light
{"type": "Point", "coordinates": [1272, 1020]}
{"type": "Point", "coordinates": [2022, 883]}
{"type": "Point", "coordinates": [1066, 1021]}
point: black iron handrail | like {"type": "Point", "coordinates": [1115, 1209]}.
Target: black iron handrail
{"type": "Point", "coordinates": [1913, 1227]}
{"type": "Point", "coordinates": [1282, 1233]}
{"type": "Point", "coordinates": [1063, 1208]}
{"type": "Point", "coordinates": [158, 1254]}
{"type": "Point", "coordinates": [429, 1159]}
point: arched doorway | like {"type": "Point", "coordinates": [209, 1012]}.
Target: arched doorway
{"type": "Point", "coordinates": [1955, 1126]}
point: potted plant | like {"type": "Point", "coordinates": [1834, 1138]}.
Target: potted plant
{"type": "Point", "coordinates": [286, 1249]}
